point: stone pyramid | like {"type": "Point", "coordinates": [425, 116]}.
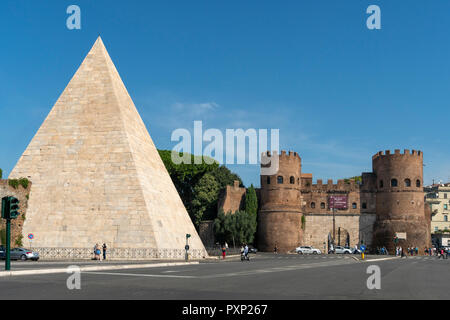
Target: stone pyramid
{"type": "Point", "coordinates": [97, 176]}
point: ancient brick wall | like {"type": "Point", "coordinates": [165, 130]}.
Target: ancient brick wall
{"type": "Point", "coordinates": [280, 216]}
{"type": "Point", "coordinates": [400, 199]}
{"type": "Point", "coordinates": [232, 198]}
{"type": "Point", "coordinates": [16, 224]}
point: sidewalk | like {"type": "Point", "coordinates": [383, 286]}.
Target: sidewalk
{"type": "Point", "coordinates": [66, 267]}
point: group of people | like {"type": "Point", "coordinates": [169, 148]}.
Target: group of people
{"type": "Point", "coordinates": [441, 253]}
{"type": "Point", "coordinates": [97, 251]}
{"type": "Point", "coordinates": [413, 251]}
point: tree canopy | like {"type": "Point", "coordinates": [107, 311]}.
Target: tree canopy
{"type": "Point", "coordinates": [199, 185]}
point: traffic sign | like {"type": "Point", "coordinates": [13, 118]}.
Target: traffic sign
{"type": "Point", "coordinates": [186, 247]}
{"type": "Point", "coordinates": [30, 236]}
{"type": "Point", "coordinates": [363, 248]}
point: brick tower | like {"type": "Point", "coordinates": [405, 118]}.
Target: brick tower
{"type": "Point", "coordinates": [280, 215]}
{"type": "Point", "coordinates": [400, 200]}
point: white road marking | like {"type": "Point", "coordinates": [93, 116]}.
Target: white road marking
{"type": "Point", "coordinates": [140, 275]}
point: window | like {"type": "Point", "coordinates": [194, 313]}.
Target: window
{"type": "Point", "coordinates": [394, 183]}
{"type": "Point", "coordinates": [268, 180]}
{"type": "Point", "coordinates": [446, 218]}
{"type": "Point", "coordinates": [313, 205]}
{"type": "Point", "coordinates": [445, 207]}
{"type": "Point", "coordinates": [445, 196]}
{"type": "Point", "coordinates": [407, 183]}
{"type": "Point", "coordinates": [418, 183]}
{"type": "Point", "coordinates": [292, 180]}
{"type": "Point", "coordinates": [280, 180]}
{"type": "Point", "coordinates": [354, 206]}
{"type": "Point", "coordinates": [364, 205]}
{"type": "Point", "coordinates": [322, 205]}
{"type": "Point", "coordinates": [381, 183]}
{"type": "Point", "coordinates": [436, 229]}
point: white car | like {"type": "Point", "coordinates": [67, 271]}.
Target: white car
{"type": "Point", "coordinates": [307, 250]}
{"type": "Point", "coordinates": [343, 250]}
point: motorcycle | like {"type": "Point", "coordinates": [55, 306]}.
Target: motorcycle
{"type": "Point", "coordinates": [245, 257]}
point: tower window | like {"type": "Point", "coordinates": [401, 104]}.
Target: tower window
{"type": "Point", "coordinates": [364, 205]}
{"type": "Point", "coordinates": [322, 205]}
{"type": "Point", "coordinates": [268, 180]}
{"type": "Point", "coordinates": [407, 183]}
{"type": "Point", "coordinates": [394, 183]}
{"type": "Point", "coordinates": [381, 183]}
{"type": "Point", "coordinates": [313, 205]}
{"type": "Point", "coordinates": [418, 183]}
{"type": "Point", "coordinates": [280, 180]}
{"type": "Point", "coordinates": [292, 180]}
{"type": "Point", "coordinates": [354, 206]}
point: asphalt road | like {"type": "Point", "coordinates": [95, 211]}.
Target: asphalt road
{"type": "Point", "coordinates": [266, 276]}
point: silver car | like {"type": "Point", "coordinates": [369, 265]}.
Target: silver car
{"type": "Point", "coordinates": [24, 254]}
{"type": "Point", "coordinates": [342, 250]}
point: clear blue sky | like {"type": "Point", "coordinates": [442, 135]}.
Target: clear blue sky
{"type": "Point", "coordinates": [337, 91]}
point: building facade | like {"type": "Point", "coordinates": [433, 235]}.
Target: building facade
{"type": "Point", "coordinates": [438, 198]}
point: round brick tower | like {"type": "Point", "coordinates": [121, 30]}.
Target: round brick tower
{"type": "Point", "coordinates": [280, 216]}
{"type": "Point", "coordinates": [400, 200]}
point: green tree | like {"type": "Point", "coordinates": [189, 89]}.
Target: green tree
{"type": "Point", "coordinates": [1, 174]}
{"type": "Point", "coordinates": [237, 228]}
{"type": "Point", "coordinates": [199, 199]}
{"type": "Point", "coordinates": [185, 176]}
{"type": "Point", "coordinates": [204, 203]}
{"type": "Point", "coordinates": [225, 177]}
{"type": "Point", "coordinates": [251, 201]}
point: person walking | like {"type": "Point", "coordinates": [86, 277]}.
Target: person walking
{"type": "Point", "coordinates": [104, 251]}
{"type": "Point", "coordinates": [402, 253]}
{"type": "Point", "coordinates": [224, 250]}
{"type": "Point", "coordinates": [275, 250]}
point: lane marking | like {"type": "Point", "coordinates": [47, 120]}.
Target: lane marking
{"type": "Point", "coordinates": [139, 275]}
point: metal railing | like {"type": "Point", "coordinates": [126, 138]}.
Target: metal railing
{"type": "Point", "coordinates": [119, 253]}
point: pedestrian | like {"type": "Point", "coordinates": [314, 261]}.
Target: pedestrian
{"type": "Point", "coordinates": [275, 250]}
{"type": "Point", "coordinates": [223, 252]}
{"type": "Point", "coordinates": [226, 245]}
{"type": "Point", "coordinates": [402, 253]}
{"type": "Point", "coordinates": [97, 251]}
{"type": "Point", "coordinates": [104, 251]}
{"type": "Point", "coordinates": [417, 251]}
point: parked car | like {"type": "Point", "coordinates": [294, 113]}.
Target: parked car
{"type": "Point", "coordinates": [307, 250]}
{"type": "Point", "coordinates": [24, 254]}
{"type": "Point", "coordinates": [252, 250]}
{"type": "Point", "coordinates": [354, 250]}
{"type": "Point", "coordinates": [342, 250]}
{"type": "Point", "coordinates": [2, 252]}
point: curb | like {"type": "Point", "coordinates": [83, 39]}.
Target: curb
{"type": "Point", "coordinates": [90, 268]}
{"type": "Point", "coordinates": [381, 259]}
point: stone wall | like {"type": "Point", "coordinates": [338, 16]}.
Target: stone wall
{"type": "Point", "coordinates": [16, 225]}
{"type": "Point", "coordinates": [232, 198]}
{"type": "Point", "coordinates": [206, 233]}
{"type": "Point", "coordinates": [319, 225]}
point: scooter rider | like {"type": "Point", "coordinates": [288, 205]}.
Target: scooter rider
{"type": "Point", "coordinates": [246, 251]}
